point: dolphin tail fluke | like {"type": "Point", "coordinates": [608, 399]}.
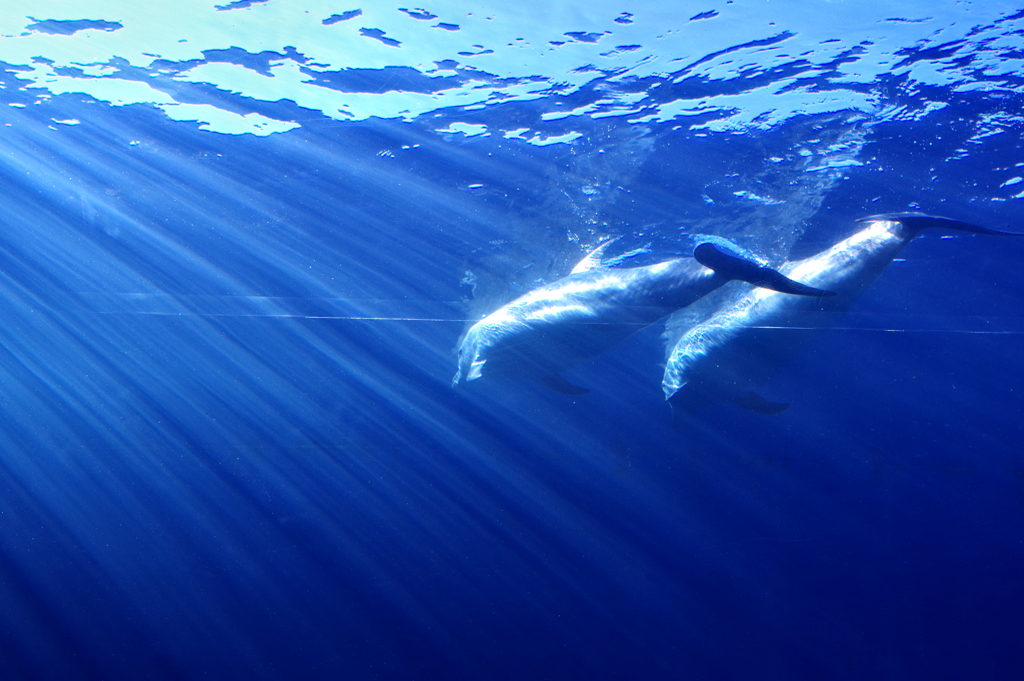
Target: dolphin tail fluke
{"type": "Point", "coordinates": [734, 267]}
{"type": "Point", "coordinates": [915, 222]}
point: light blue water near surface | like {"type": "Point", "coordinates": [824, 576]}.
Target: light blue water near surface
{"type": "Point", "coordinates": [239, 245]}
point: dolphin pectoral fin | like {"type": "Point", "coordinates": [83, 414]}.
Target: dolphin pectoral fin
{"type": "Point", "coordinates": [734, 267]}
{"type": "Point", "coordinates": [476, 369]}
{"type": "Point", "coordinates": [560, 385]}
{"type": "Point", "coordinates": [757, 404]}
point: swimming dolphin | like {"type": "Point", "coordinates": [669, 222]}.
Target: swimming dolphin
{"type": "Point", "coordinates": [554, 327]}
{"type": "Point", "coordinates": [750, 339]}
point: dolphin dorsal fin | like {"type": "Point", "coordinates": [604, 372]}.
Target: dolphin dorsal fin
{"type": "Point", "coordinates": [593, 259]}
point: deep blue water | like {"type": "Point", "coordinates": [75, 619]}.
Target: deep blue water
{"type": "Point", "coordinates": [230, 447]}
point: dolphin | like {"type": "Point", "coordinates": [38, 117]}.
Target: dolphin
{"type": "Point", "coordinates": [552, 328]}
{"type": "Point", "coordinates": [750, 339]}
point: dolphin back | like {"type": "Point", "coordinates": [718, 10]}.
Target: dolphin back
{"type": "Point", "coordinates": [915, 222]}
{"type": "Point", "coordinates": [733, 267]}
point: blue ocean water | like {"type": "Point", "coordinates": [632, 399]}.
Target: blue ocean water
{"type": "Point", "coordinates": [239, 246]}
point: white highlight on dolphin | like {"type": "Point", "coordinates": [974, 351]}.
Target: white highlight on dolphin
{"type": "Point", "coordinates": [554, 327]}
